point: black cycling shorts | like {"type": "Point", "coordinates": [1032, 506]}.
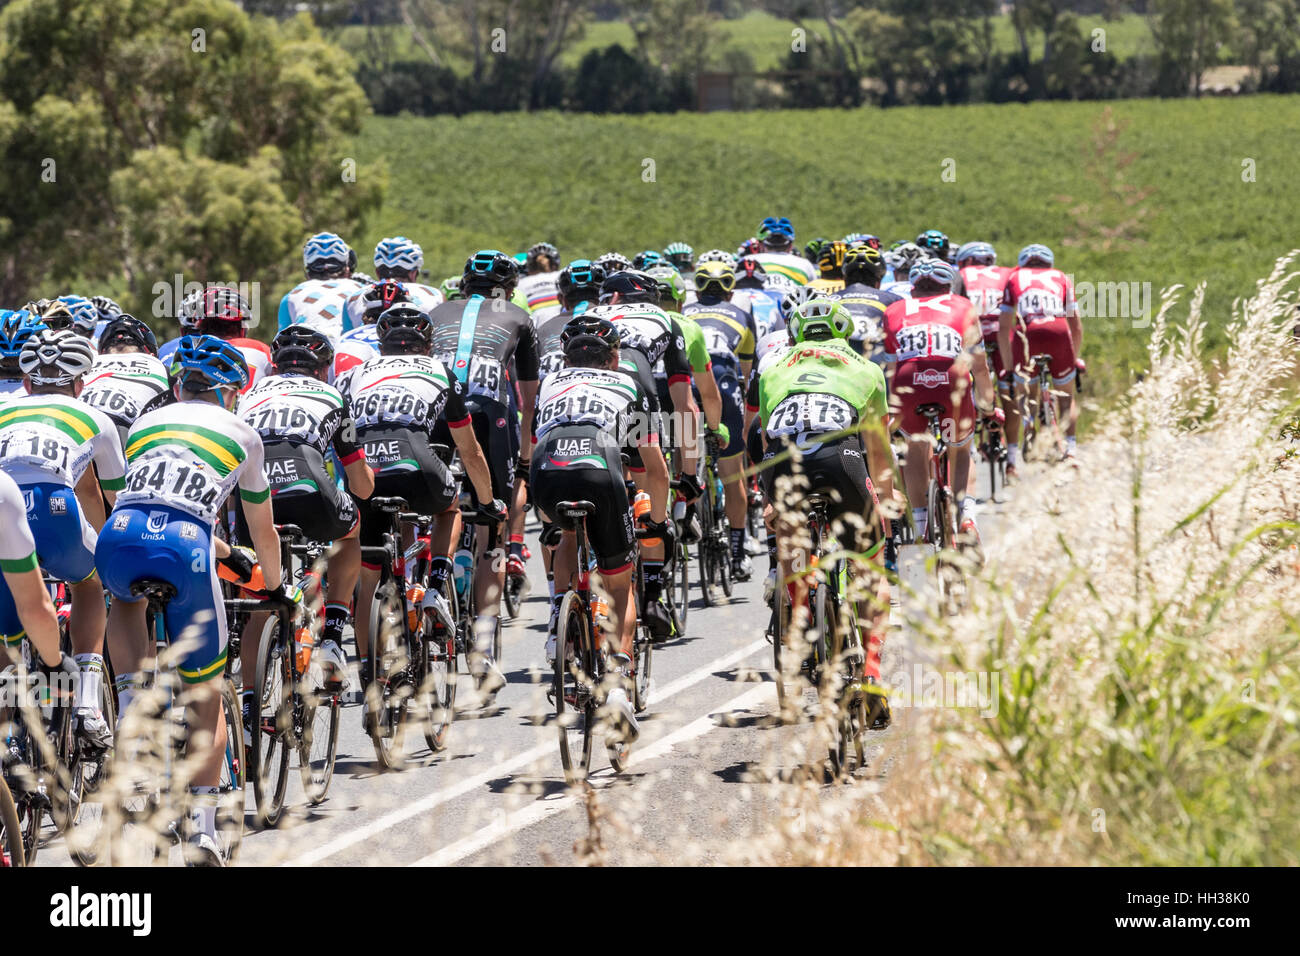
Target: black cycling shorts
{"type": "Point", "coordinates": [303, 493]}
{"type": "Point", "coordinates": [495, 431]}
{"type": "Point", "coordinates": [837, 470]}
{"type": "Point", "coordinates": [609, 528]}
{"type": "Point", "coordinates": [406, 466]}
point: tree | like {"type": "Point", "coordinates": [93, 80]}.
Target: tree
{"type": "Point", "coordinates": [115, 113]}
{"type": "Point", "coordinates": [1269, 42]}
{"type": "Point", "coordinates": [1188, 34]}
{"type": "Point", "coordinates": [674, 35]}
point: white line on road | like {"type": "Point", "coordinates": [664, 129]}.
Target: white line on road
{"type": "Point", "coordinates": [541, 809]}
{"type": "Point", "coordinates": [519, 761]}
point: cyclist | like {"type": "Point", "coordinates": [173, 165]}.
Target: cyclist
{"type": "Point", "coordinates": [932, 346]}
{"type": "Point", "coordinates": [985, 281]}
{"type": "Point", "coordinates": [302, 421]}
{"type": "Point", "coordinates": [589, 413]}
{"type": "Point", "coordinates": [899, 261]}
{"type": "Point", "coordinates": [647, 335]}
{"type": "Point", "coordinates": [612, 262]}
{"type": "Point", "coordinates": [187, 316]}
{"type": "Point", "coordinates": [647, 259]}
{"type": "Point", "coordinates": [74, 312]}
{"type": "Point", "coordinates": [361, 342]}
{"type": "Point", "coordinates": [320, 301]}
{"type": "Point", "coordinates": [935, 244]}
{"type": "Point", "coordinates": [830, 263]}
{"type": "Point", "coordinates": [760, 293]}
{"type": "Point", "coordinates": [127, 379]}
{"type": "Point", "coordinates": [578, 286]}
{"type": "Point", "coordinates": [681, 257]}
{"type": "Point", "coordinates": [184, 459]}
{"type": "Point", "coordinates": [825, 429]}
{"type": "Point", "coordinates": [812, 250]}
{"type": "Point", "coordinates": [48, 443]}
{"type": "Point", "coordinates": [1040, 317]}
{"type": "Point", "coordinates": [224, 314]}
{"type": "Point", "coordinates": [397, 259]}
{"type": "Point", "coordinates": [863, 268]}
{"type": "Point", "coordinates": [108, 311]}
{"type": "Point", "coordinates": [540, 284]}
{"type": "Point", "coordinates": [729, 335]}
{"type": "Point", "coordinates": [25, 606]}
{"type": "Point", "coordinates": [490, 344]}
{"type": "Point", "coordinates": [16, 327]}
{"type": "Point", "coordinates": [400, 400]}
{"type": "Point", "coordinates": [776, 252]}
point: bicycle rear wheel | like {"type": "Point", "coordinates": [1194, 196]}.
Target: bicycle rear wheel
{"type": "Point", "coordinates": [11, 841]}
{"type": "Point", "coordinates": [682, 588]}
{"type": "Point", "coordinates": [388, 697]}
{"type": "Point", "coordinates": [87, 834]}
{"type": "Point", "coordinates": [642, 650]}
{"type": "Point", "coordinates": [574, 688]}
{"type": "Point", "coordinates": [842, 688]}
{"type": "Point", "coordinates": [231, 787]}
{"type": "Point", "coordinates": [272, 724]}
{"type": "Point", "coordinates": [705, 511]}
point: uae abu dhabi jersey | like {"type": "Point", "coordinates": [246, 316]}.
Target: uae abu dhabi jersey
{"type": "Point", "coordinates": [479, 340]}
{"type": "Point", "coordinates": [54, 438]}
{"type": "Point", "coordinates": [403, 391]}
{"type": "Point", "coordinates": [319, 304]}
{"type": "Point", "coordinates": [587, 417]}
{"type": "Point", "coordinates": [424, 297]}
{"type": "Point", "coordinates": [542, 292]}
{"type": "Point", "coordinates": [648, 329]}
{"type": "Point", "coordinates": [17, 546]}
{"type": "Point", "coordinates": [817, 388]}
{"type": "Point", "coordinates": [299, 409]}
{"type": "Point", "coordinates": [126, 386]}
{"type": "Point", "coordinates": [191, 456]}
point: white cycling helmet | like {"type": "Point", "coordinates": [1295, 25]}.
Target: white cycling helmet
{"type": "Point", "coordinates": [398, 252]}
{"type": "Point", "coordinates": [797, 296]}
{"type": "Point", "coordinates": [56, 357]}
{"type": "Point", "coordinates": [716, 255]}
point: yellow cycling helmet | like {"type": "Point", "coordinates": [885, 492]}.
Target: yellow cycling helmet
{"type": "Point", "coordinates": [831, 259]}
{"type": "Point", "coordinates": [715, 278]}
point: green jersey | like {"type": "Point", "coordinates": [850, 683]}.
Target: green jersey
{"type": "Point", "coordinates": [817, 388]}
{"type": "Point", "coordinates": [697, 349]}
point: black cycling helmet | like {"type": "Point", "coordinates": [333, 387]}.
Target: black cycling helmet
{"type": "Point", "coordinates": [580, 280]}
{"type": "Point", "coordinates": [404, 328]}
{"type": "Point", "coordinates": [586, 330]}
{"type": "Point", "coordinates": [629, 286]}
{"type": "Point", "coordinates": [381, 296]}
{"type": "Point", "coordinates": [862, 263]}
{"type": "Point", "coordinates": [298, 346]}
{"type": "Point", "coordinates": [750, 274]}
{"type": "Point", "coordinates": [489, 268]}
{"type": "Point", "coordinates": [128, 330]}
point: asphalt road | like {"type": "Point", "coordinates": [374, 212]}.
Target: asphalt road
{"type": "Point", "coordinates": [714, 765]}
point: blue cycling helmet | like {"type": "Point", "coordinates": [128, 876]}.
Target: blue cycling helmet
{"type": "Point", "coordinates": [1036, 252]}
{"type": "Point", "coordinates": [647, 259]}
{"type": "Point", "coordinates": [398, 252]}
{"type": "Point", "coordinates": [935, 271]}
{"type": "Point", "coordinates": [83, 313]}
{"type": "Point", "coordinates": [489, 267]}
{"type": "Point", "coordinates": [16, 327]}
{"type": "Point", "coordinates": [982, 253]}
{"type": "Point", "coordinates": [210, 362]}
{"type": "Point", "coordinates": [325, 252]}
{"type": "Point", "coordinates": [581, 280]}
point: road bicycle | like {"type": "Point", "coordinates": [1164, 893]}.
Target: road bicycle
{"type": "Point", "coordinates": [992, 445]}
{"type": "Point", "coordinates": [715, 531]}
{"type": "Point", "coordinates": [582, 678]}
{"type": "Point", "coordinates": [11, 841]}
{"type": "Point", "coordinates": [293, 711]}
{"type": "Point", "coordinates": [941, 521]}
{"type": "Point", "coordinates": [826, 653]}
{"type": "Point", "coordinates": [149, 777]}
{"type": "Point", "coordinates": [1038, 408]}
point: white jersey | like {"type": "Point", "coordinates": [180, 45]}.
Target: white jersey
{"type": "Point", "coordinates": [54, 438]}
{"type": "Point", "coordinates": [295, 408]}
{"type": "Point", "coordinates": [769, 350]}
{"type": "Point", "coordinates": [787, 266]}
{"type": "Point", "coordinates": [542, 290]}
{"type": "Point", "coordinates": [190, 456]}
{"type": "Point", "coordinates": [125, 386]}
{"type": "Point", "coordinates": [356, 346]}
{"type": "Point", "coordinates": [403, 391]}
{"type": "Point", "coordinates": [424, 297]}
{"type": "Point", "coordinates": [901, 287]}
{"type": "Point", "coordinates": [318, 304]}
{"type": "Point", "coordinates": [11, 388]}
{"type": "Point", "coordinates": [17, 546]}
{"type": "Point", "coordinates": [599, 398]}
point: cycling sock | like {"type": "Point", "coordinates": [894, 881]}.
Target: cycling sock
{"type": "Point", "coordinates": [1070, 442]}
{"type": "Point", "coordinates": [517, 546]}
{"type": "Point", "coordinates": [439, 569]}
{"type": "Point", "coordinates": [919, 516]}
{"type": "Point", "coordinates": [203, 811]}
{"type": "Point", "coordinates": [653, 573]}
{"type": "Point", "coordinates": [550, 586]}
{"type": "Point", "coordinates": [127, 685]}
{"type": "Point", "coordinates": [875, 641]}
{"type": "Point", "coordinates": [336, 618]}
{"type": "Point", "coordinates": [485, 629]}
{"type": "Point", "coordinates": [92, 676]}
{"type": "Point", "coordinates": [771, 551]}
{"type": "Point", "coordinates": [968, 505]}
{"type": "Point", "coordinates": [737, 543]}
{"type": "Point", "coordinates": [1013, 451]}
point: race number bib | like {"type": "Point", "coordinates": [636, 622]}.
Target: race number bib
{"type": "Point", "coordinates": [798, 415]}
{"type": "Point", "coordinates": [189, 485]}
{"type": "Point", "coordinates": [1039, 304]}
{"type": "Point", "coordinates": [116, 404]}
{"type": "Point", "coordinates": [928, 341]}
{"type": "Point", "coordinates": [389, 406]}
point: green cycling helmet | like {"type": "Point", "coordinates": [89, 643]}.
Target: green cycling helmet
{"type": "Point", "coordinates": [670, 283]}
{"type": "Point", "coordinates": [450, 288]}
{"type": "Point", "coordinates": [820, 319]}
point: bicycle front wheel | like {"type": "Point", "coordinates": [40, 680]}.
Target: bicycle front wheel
{"type": "Point", "coordinates": [87, 833]}
{"type": "Point", "coordinates": [388, 697]}
{"type": "Point", "coordinates": [575, 688]}
{"type": "Point", "coordinates": [318, 746]}
{"type": "Point", "coordinates": [272, 724]}
{"type": "Point", "coordinates": [231, 787]}
{"type": "Point", "coordinates": [682, 588]}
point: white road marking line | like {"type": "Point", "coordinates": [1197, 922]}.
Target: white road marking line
{"type": "Point", "coordinates": [519, 761]}
{"type": "Point", "coordinates": [541, 809]}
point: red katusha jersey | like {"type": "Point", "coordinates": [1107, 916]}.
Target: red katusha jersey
{"type": "Point", "coordinates": [1039, 295]}
{"type": "Point", "coordinates": [923, 337]}
{"type": "Point", "coordinates": [984, 285]}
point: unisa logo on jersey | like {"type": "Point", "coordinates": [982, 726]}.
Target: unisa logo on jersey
{"type": "Point", "coordinates": [157, 522]}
